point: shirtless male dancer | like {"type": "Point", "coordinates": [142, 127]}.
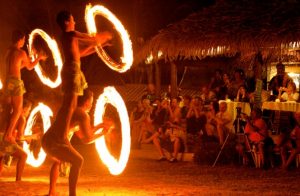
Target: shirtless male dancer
{"type": "Point", "coordinates": [80, 126]}
{"type": "Point", "coordinates": [16, 59]}
{"type": "Point", "coordinates": [55, 142]}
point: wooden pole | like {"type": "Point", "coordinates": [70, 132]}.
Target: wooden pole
{"type": "Point", "coordinates": [150, 74]}
{"type": "Point", "coordinates": [173, 79]}
{"type": "Point", "coordinates": [157, 79]}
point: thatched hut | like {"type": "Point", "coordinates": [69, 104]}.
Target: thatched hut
{"type": "Point", "coordinates": [229, 27]}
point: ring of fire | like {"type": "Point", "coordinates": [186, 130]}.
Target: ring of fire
{"type": "Point", "coordinates": [110, 95]}
{"type": "Point", "coordinates": [55, 53]}
{"type": "Point", "coordinates": [127, 59]}
{"type": "Point", "coordinates": [46, 113]}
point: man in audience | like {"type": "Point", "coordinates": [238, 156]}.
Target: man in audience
{"type": "Point", "coordinates": [223, 120]}
{"type": "Point", "coordinates": [281, 79]}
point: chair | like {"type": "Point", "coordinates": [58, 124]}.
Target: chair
{"type": "Point", "coordinates": [255, 154]}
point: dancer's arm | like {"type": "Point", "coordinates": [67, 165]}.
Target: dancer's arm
{"type": "Point", "coordinates": [87, 132]}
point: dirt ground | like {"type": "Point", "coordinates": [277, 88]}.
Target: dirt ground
{"type": "Point", "coordinates": [146, 176]}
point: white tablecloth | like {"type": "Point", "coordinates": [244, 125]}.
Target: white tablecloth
{"type": "Point", "coordinates": [281, 106]}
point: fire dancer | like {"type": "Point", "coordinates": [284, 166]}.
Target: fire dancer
{"type": "Point", "coordinates": [81, 126]}
{"type": "Point", "coordinates": [9, 151]}
{"type": "Point", "coordinates": [55, 142]}
{"type": "Point", "coordinates": [16, 59]}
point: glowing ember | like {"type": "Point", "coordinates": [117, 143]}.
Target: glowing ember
{"type": "Point", "coordinates": [55, 53]}
{"type": "Point", "coordinates": [111, 96]}
{"type": "Point", "coordinates": [90, 13]}
{"type": "Point", "coordinates": [1, 85]}
{"type": "Point", "coordinates": [46, 113]}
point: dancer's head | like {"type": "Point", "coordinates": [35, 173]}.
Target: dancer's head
{"type": "Point", "coordinates": [18, 36]}
{"type": "Point", "coordinates": [86, 100]}
{"type": "Point", "coordinates": [64, 19]}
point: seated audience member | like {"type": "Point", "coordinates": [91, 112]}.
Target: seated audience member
{"type": "Point", "coordinates": [207, 95]}
{"type": "Point", "coordinates": [160, 118]}
{"type": "Point", "coordinates": [150, 93]}
{"type": "Point", "coordinates": [281, 79]}
{"type": "Point", "coordinates": [137, 118]}
{"type": "Point", "coordinates": [224, 88]}
{"type": "Point", "coordinates": [147, 127]}
{"type": "Point", "coordinates": [185, 108]}
{"type": "Point", "coordinates": [257, 131]}
{"type": "Point", "coordinates": [183, 114]}
{"type": "Point", "coordinates": [211, 124]}
{"type": "Point", "coordinates": [223, 120]}
{"type": "Point", "coordinates": [196, 118]}
{"type": "Point", "coordinates": [289, 93]}
{"type": "Point", "coordinates": [174, 110]}
{"type": "Point", "coordinates": [242, 95]}
{"type": "Point", "coordinates": [238, 80]}
{"type": "Point", "coordinates": [291, 143]}
{"type": "Point", "coordinates": [168, 137]}
{"type": "Point", "coordinates": [216, 83]}
{"type": "Point", "coordinates": [161, 115]}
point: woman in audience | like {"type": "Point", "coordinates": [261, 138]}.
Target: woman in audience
{"type": "Point", "coordinates": [289, 93]}
{"type": "Point", "coordinates": [242, 94]}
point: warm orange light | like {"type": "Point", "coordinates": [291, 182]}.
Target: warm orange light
{"type": "Point", "coordinates": [1, 85]}
{"type": "Point", "coordinates": [46, 113]}
{"type": "Point", "coordinates": [127, 59]}
{"type": "Point", "coordinates": [111, 96]}
{"type": "Point", "coordinates": [55, 53]}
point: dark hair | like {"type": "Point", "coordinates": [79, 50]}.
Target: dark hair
{"type": "Point", "coordinates": [280, 65]}
{"type": "Point", "coordinates": [87, 94]}
{"type": "Point", "coordinates": [244, 86]}
{"type": "Point", "coordinates": [17, 35]}
{"type": "Point", "coordinates": [62, 17]}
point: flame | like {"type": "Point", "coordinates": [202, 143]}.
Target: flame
{"type": "Point", "coordinates": [110, 95]}
{"type": "Point", "coordinates": [127, 59]}
{"type": "Point", "coordinates": [55, 53]}
{"type": "Point", "coordinates": [46, 113]}
{"type": "Point", "coordinates": [1, 85]}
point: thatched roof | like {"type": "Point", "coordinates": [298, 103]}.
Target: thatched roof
{"type": "Point", "coordinates": [227, 28]}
